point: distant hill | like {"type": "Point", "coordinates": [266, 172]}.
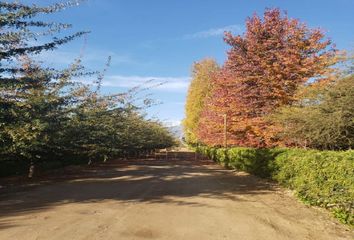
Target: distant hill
{"type": "Point", "coordinates": [177, 131]}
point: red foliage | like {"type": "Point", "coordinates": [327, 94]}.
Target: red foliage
{"type": "Point", "coordinates": [264, 68]}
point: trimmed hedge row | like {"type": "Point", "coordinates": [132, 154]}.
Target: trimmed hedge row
{"type": "Point", "coordinates": [321, 178]}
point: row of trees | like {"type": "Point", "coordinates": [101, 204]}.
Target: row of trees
{"type": "Point", "coordinates": [282, 83]}
{"type": "Point", "coordinates": [47, 116]}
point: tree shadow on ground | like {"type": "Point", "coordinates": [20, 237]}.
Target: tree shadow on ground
{"type": "Point", "coordinates": [174, 180]}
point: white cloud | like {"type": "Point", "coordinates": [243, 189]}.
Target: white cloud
{"type": "Point", "coordinates": [161, 83]}
{"type": "Point", "coordinates": [68, 57]}
{"type": "Point", "coordinates": [214, 32]}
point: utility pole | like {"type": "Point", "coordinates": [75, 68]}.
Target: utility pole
{"type": "Point", "coordinates": [225, 130]}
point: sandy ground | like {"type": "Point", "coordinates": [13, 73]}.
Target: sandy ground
{"type": "Point", "coordinates": [181, 198]}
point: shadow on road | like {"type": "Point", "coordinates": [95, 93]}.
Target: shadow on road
{"type": "Point", "coordinates": [151, 180]}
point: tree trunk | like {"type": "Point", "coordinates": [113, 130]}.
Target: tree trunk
{"type": "Point", "coordinates": [31, 170]}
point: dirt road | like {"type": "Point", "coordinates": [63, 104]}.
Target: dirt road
{"type": "Point", "coordinates": [157, 199]}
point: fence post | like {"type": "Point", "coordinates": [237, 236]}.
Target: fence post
{"type": "Point", "coordinates": [225, 130]}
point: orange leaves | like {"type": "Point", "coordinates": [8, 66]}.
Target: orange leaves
{"type": "Point", "coordinates": [264, 68]}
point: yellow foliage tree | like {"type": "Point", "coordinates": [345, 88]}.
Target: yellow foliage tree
{"type": "Point", "coordinates": [201, 84]}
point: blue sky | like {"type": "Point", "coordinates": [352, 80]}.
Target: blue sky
{"type": "Point", "coordinates": [160, 39]}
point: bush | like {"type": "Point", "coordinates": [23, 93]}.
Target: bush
{"type": "Point", "coordinates": [222, 156]}
{"type": "Point", "coordinates": [321, 178]}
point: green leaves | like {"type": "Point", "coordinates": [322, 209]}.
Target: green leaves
{"type": "Point", "coordinates": [322, 118]}
{"type": "Point", "coordinates": [321, 178]}
{"type": "Point", "coordinates": [48, 119]}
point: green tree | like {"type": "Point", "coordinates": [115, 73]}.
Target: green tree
{"type": "Point", "coordinates": [35, 113]}
{"type": "Point", "coordinates": [104, 127]}
{"type": "Point", "coordinates": [48, 118]}
{"type": "Point", "coordinates": [28, 93]}
{"type": "Point", "coordinates": [323, 118]}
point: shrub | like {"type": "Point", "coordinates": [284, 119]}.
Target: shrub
{"type": "Point", "coordinates": [255, 161]}
{"type": "Point", "coordinates": [222, 156]}
{"type": "Point", "coordinates": [321, 178]}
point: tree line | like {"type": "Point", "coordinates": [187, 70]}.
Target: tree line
{"type": "Point", "coordinates": [282, 84]}
{"type": "Point", "coordinates": [47, 117]}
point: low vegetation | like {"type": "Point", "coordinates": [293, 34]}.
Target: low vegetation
{"type": "Point", "coordinates": [320, 178]}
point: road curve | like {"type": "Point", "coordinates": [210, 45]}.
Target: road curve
{"type": "Point", "coordinates": [175, 198]}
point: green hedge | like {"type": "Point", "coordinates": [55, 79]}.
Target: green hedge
{"type": "Point", "coordinates": [321, 178]}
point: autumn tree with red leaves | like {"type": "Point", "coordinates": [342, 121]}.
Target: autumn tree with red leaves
{"type": "Point", "coordinates": [264, 68]}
